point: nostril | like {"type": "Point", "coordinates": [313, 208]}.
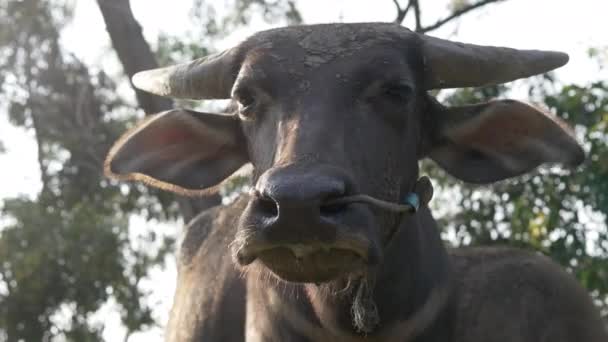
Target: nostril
{"type": "Point", "coordinates": [267, 206]}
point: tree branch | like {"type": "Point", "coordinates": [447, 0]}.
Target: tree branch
{"type": "Point", "coordinates": [402, 13]}
{"type": "Point", "coordinates": [135, 55]}
{"type": "Point", "coordinates": [416, 6]}
{"type": "Point", "coordinates": [44, 177]}
{"type": "Point", "coordinates": [452, 16]}
{"type": "Point", "coordinates": [133, 51]}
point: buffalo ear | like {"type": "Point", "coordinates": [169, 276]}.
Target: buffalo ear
{"type": "Point", "coordinates": [492, 141]}
{"type": "Point", "coordinates": [180, 151]}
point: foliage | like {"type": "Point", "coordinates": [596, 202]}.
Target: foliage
{"type": "Point", "coordinates": [67, 251]}
{"type": "Point", "coordinates": [559, 212]}
{"type": "Point", "coordinates": [271, 10]}
{"type": "Point", "coordinates": [70, 250]}
{"type": "Point", "coordinates": [45, 250]}
{"type": "Point", "coordinates": [208, 26]}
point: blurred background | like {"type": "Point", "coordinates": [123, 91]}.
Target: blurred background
{"type": "Point", "coordinates": [83, 258]}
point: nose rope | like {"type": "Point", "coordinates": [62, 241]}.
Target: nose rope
{"type": "Point", "coordinates": [421, 195]}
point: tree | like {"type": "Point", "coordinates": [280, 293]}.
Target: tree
{"type": "Point", "coordinates": [558, 212]}
{"type": "Point", "coordinates": [136, 55]}
{"type": "Point", "coordinates": [69, 250]}
{"type": "Point", "coordinates": [458, 9]}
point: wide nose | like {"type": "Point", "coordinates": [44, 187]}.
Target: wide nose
{"type": "Point", "coordinates": [289, 203]}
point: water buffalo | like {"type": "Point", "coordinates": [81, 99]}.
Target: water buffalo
{"type": "Point", "coordinates": [323, 112]}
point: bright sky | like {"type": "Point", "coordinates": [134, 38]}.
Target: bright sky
{"type": "Point", "coordinates": [539, 24]}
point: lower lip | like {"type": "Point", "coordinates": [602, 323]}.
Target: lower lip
{"type": "Point", "coordinates": [318, 266]}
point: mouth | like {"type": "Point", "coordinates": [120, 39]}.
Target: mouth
{"type": "Point", "coordinates": [317, 267]}
{"type": "Point", "coordinates": [311, 262]}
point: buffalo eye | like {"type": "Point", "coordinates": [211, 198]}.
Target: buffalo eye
{"type": "Point", "coordinates": [400, 92]}
{"type": "Point", "coordinates": [247, 102]}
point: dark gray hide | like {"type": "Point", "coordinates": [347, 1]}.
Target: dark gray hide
{"type": "Point", "coordinates": [327, 111]}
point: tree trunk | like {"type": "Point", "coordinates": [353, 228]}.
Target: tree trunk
{"type": "Point", "coordinates": [136, 55]}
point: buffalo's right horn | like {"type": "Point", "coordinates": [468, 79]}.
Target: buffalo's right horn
{"type": "Point", "coordinates": [209, 77]}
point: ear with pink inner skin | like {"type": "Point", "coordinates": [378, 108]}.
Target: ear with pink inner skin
{"type": "Point", "coordinates": [492, 141]}
{"type": "Point", "coordinates": [181, 151]}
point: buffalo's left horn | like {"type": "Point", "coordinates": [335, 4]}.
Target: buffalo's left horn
{"type": "Point", "coordinates": [209, 77]}
{"type": "Point", "coordinates": [453, 65]}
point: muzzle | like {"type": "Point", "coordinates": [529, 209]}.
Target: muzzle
{"type": "Point", "coordinates": [410, 204]}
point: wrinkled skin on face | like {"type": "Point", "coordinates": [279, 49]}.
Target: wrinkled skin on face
{"type": "Point", "coordinates": [309, 116]}
{"type": "Point", "coordinates": [324, 112]}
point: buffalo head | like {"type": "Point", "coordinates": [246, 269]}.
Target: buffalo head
{"type": "Point", "coordinates": [327, 111]}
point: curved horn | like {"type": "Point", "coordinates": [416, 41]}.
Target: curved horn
{"type": "Point", "coordinates": [453, 65]}
{"type": "Point", "coordinates": [209, 77]}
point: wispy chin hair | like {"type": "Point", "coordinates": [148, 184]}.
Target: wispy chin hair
{"type": "Point", "coordinates": [364, 312]}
